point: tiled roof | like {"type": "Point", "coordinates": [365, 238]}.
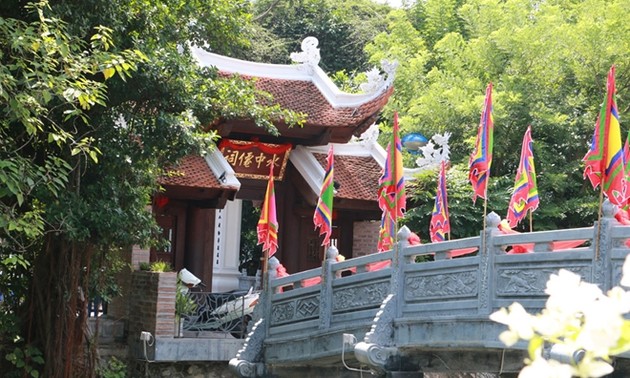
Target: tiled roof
{"type": "Point", "coordinates": [192, 171]}
{"type": "Point", "coordinates": [357, 175]}
{"type": "Point", "coordinates": [304, 96]}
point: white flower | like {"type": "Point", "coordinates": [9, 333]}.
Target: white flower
{"type": "Point", "coordinates": [625, 271]}
{"type": "Point", "coordinates": [519, 322]}
{"type": "Point", "coordinates": [568, 294]}
{"type": "Point", "coordinates": [553, 324]}
{"type": "Point", "coordinates": [590, 368]}
{"type": "Point", "coordinates": [621, 299]}
{"type": "Point", "coordinates": [541, 368]}
{"type": "Point", "coordinates": [601, 328]}
{"type": "Point", "coordinates": [577, 316]}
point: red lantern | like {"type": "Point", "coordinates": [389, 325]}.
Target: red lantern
{"type": "Point", "coordinates": [161, 201]}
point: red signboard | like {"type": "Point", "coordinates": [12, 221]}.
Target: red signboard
{"type": "Point", "coordinates": [252, 159]}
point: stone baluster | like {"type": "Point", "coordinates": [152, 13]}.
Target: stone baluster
{"type": "Point", "coordinates": [487, 253]}
{"type": "Point", "coordinates": [602, 245]}
{"type": "Point", "coordinates": [326, 296]}
{"type": "Point", "coordinates": [397, 286]}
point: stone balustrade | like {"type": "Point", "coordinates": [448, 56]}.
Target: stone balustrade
{"type": "Point", "coordinates": [394, 314]}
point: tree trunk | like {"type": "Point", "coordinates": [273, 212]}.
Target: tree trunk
{"type": "Point", "coordinates": [57, 308]}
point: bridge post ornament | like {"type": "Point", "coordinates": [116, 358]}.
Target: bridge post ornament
{"type": "Point", "coordinates": [244, 369]}
{"type": "Point", "coordinates": [247, 362]}
{"type": "Point", "coordinates": [377, 349]}
{"type": "Point", "coordinates": [397, 265]}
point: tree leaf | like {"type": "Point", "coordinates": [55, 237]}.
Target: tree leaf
{"type": "Point", "coordinates": [108, 72]}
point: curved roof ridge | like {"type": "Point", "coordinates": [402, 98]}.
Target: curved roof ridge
{"type": "Point", "coordinates": [306, 71]}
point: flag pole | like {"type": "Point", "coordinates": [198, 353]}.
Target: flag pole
{"type": "Point", "coordinates": [599, 219]}
{"type": "Point", "coordinates": [485, 211]}
{"type": "Point", "coordinates": [264, 269]}
{"type": "Point", "coordinates": [531, 223]}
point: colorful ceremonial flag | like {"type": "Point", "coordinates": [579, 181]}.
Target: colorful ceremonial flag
{"type": "Point", "coordinates": [604, 160]}
{"type": "Point", "coordinates": [268, 223]}
{"type": "Point", "coordinates": [626, 165]}
{"type": "Point", "coordinates": [525, 195]}
{"type": "Point", "coordinates": [323, 212]}
{"type": "Point", "coordinates": [481, 158]}
{"type": "Point", "coordinates": [440, 225]}
{"type": "Point", "coordinates": [386, 233]}
{"type": "Point", "coordinates": [391, 190]}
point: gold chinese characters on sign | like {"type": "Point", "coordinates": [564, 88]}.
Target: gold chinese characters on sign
{"type": "Point", "coordinates": [251, 159]}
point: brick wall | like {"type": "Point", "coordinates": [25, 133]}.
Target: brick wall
{"type": "Point", "coordinates": [152, 304]}
{"type": "Point", "coordinates": [119, 306]}
{"type": "Point", "coordinates": [365, 238]}
{"type": "Point", "coordinates": [139, 255]}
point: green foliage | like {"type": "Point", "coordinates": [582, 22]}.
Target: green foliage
{"type": "Point", "coordinates": [251, 251]}
{"type": "Point", "coordinates": [404, 44]}
{"type": "Point", "coordinates": [466, 217]}
{"type": "Point", "coordinates": [436, 18]}
{"type": "Point", "coordinates": [184, 305]}
{"type": "Point", "coordinates": [114, 368]}
{"type": "Point", "coordinates": [98, 98]}
{"type": "Point", "coordinates": [104, 275]}
{"type": "Point", "coordinates": [27, 360]}
{"type": "Point", "coordinates": [47, 79]}
{"type": "Point", "coordinates": [160, 267]}
{"type": "Point", "coordinates": [342, 28]}
{"type": "Point", "coordinates": [548, 63]}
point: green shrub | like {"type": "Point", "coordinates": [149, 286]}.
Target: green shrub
{"type": "Point", "coordinates": [160, 266]}
{"type": "Point", "coordinates": [184, 305]}
{"type": "Point", "coordinates": [114, 368]}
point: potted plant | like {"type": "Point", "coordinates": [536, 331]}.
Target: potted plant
{"type": "Point", "coordinates": [184, 306]}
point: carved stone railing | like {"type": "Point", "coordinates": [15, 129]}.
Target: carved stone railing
{"type": "Point", "coordinates": [395, 305]}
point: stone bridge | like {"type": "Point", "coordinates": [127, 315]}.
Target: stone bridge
{"type": "Point", "coordinates": [398, 317]}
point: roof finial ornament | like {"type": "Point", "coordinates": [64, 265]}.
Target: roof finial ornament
{"type": "Point", "coordinates": [390, 70]}
{"type": "Point", "coordinates": [432, 156]}
{"type": "Point", "coordinates": [369, 136]}
{"type": "Point", "coordinates": [376, 80]}
{"type": "Point", "coordinates": [310, 54]}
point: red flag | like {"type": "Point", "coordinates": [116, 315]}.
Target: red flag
{"type": "Point", "coordinates": [481, 158]}
{"type": "Point", "coordinates": [525, 194]}
{"type": "Point", "coordinates": [268, 223]}
{"type": "Point", "coordinates": [323, 212]}
{"type": "Point", "coordinates": [440, 225]}
{"type": "Point", "coordinates": [391, 190]}
{"type": "Point", "coordinates": [604, 160]}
